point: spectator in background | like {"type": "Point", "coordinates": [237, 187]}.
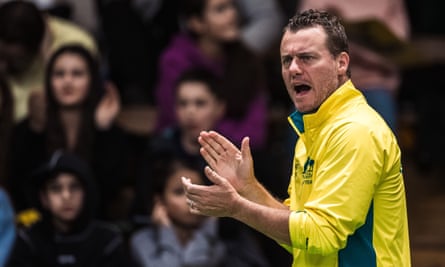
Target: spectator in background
{"type": "Point", "coordinates": [27, 39]}
{"type": "Point", "coordinates": [374, 72]}
{"type": "Point", "coordinates": [176, 237]}
{"type": "Point", "coordinates": [78, 117]}
{"type": "Point", "coordinates": [7, 226]}
{"type": "Point", "coordinates": [211, 40]}
{"type": "Point", "coordinates": [67, 235]}
{"type": "Point", "coordinates": [134, 35]}
{"type": "Point", "coordinates": [199, 106]}
{"type": "Point", "coordinates": [6, 126]}
{"type": "Point", "coordinates": [7, 223]}
{"type": "Point", "coordinates": [259, 21]}
{"type": "Point", "coordinates": [136, 32]}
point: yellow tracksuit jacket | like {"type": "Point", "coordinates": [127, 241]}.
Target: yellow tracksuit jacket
{"type": "Point", "coordinates": [346, 191]}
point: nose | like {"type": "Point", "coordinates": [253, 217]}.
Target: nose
{"type": "Point", "coordinates": [67, 78]}
{"type": "Point", "coordinates": [66, 193]}
{"type": "Point", "coordinates": [294, 67]}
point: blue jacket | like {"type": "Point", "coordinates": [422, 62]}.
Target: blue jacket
{"type": "Point", "coordinates": [7, 227]}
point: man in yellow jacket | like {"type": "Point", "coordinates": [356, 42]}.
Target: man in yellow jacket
{"type": "Point", "coordinates": [346, 204]}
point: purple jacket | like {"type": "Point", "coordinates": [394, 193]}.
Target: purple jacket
{"type": "Point", "coordinates": [182, 54]}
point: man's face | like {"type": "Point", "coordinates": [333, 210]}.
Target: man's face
{"type": "Point", "coordinates": [310, 72]}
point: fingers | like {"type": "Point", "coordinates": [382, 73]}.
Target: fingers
{"type": "Point", "coordinates": [215, 146]}
{"type": "Point", "coordinates": [225, 144]}
{"type": "Point", "coordinates": [191, 197]}
{"type": "Point", "coordinates": [111, 94]}
{"type": "Point", "coordinates": [245, 148]}
{"type": "Point", "coordinates": [213, 176]}
{"type": "Point", "coordinates": [208, 153]}
{"type": "Point", "coordinates": [216, 142]}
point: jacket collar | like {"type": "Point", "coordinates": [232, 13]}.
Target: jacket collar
{"type": "Point", "coordinates": [301, 122]}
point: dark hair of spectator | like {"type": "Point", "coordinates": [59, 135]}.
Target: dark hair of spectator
{"type": "Point", "coordinates": [204, 76]}
{"type": "Point", "coordinates": [165, 166]}
{"type": "Point", "coordinates": [55, 133]}
{"type": "Point", "coordinates": [22, 23]}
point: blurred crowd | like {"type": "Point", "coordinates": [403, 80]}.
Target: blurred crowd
{"type": "Point", "coordinates": [79, 186]}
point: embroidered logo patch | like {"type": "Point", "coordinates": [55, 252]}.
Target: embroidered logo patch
{"type": "Point", "coordinates": [308, 171]}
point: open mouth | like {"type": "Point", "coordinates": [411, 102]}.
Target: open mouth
{"type": "Point", "coordinates": [302, 88]}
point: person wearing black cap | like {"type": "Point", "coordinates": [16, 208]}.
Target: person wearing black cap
{"type": "Point", "coordinates": [66, 234]}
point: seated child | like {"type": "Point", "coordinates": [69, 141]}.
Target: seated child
{"type": "Point", "coordinates": [199, 106]}
{"type": "Point", "coordinates": [175, 237]}
{"type": "Point", "coordinates": [66, 235]}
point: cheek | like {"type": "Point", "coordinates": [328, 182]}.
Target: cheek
{"type": "Point", "coordinates": [176, 203]}
{"type": "Point", "coordinates": [83, 88]}
{"type": "Point", "coordinates": [78, 198]}
{"type": "Point", "coordinates": [56, 85]}
{"type": "Point", "coordinates": [53, 202]}
{"type": "Point", "coordinates": [206, 115]}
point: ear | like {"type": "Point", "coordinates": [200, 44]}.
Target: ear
{"type": "Point", "coordinates": [342, 63]}
{"type": "Point", "coordinates": [195, 24]}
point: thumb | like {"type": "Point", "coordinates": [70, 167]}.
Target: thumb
{"type": "Point", "coordinates": [245, 148]}
{"type": "Point", "coordinates": [213, 176]}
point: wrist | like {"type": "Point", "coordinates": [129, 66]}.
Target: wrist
{"type": "Point", "coordinates": [247, 191]}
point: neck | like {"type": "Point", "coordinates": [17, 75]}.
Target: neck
{"type": "Point", "coordinates": [71, 119]}
{"type": "Point", "coordinates": [190, 145]}
{"type": "Point", "coordinates": [183, 234]}
{"type": "Point", "coordinates": [60, 226]}
{"type": "Point", "coordinates": [210, 47]}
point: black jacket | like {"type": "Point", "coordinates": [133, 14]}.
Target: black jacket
{"type": "Point", "coordinates": [98, 245]}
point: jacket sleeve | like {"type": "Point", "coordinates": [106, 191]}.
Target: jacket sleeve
{"type": "Point", "coordinates": [115, 253]}
{"type": "Point", "coordinates": [343, 186]}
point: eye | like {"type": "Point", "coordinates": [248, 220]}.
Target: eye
{"type": "Point", "coordinates": [200, 103]}
{"type": "Point", "coordinates": [182, 103]}
{"type": "Point", "coordinates": [78, 73]}
{"type": "Point", "coordinates": [54, 188]}
{"type": "Point", "coordinates": [178, 191]}
{"type": "Point", "coordinates": [306, 58]}
{"type": "Point", "coordinates": [286, 60]}
{"type": "Point", "coordinates": [58, 73]}
{"type": "Point", "coordinates": [74, 187]}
